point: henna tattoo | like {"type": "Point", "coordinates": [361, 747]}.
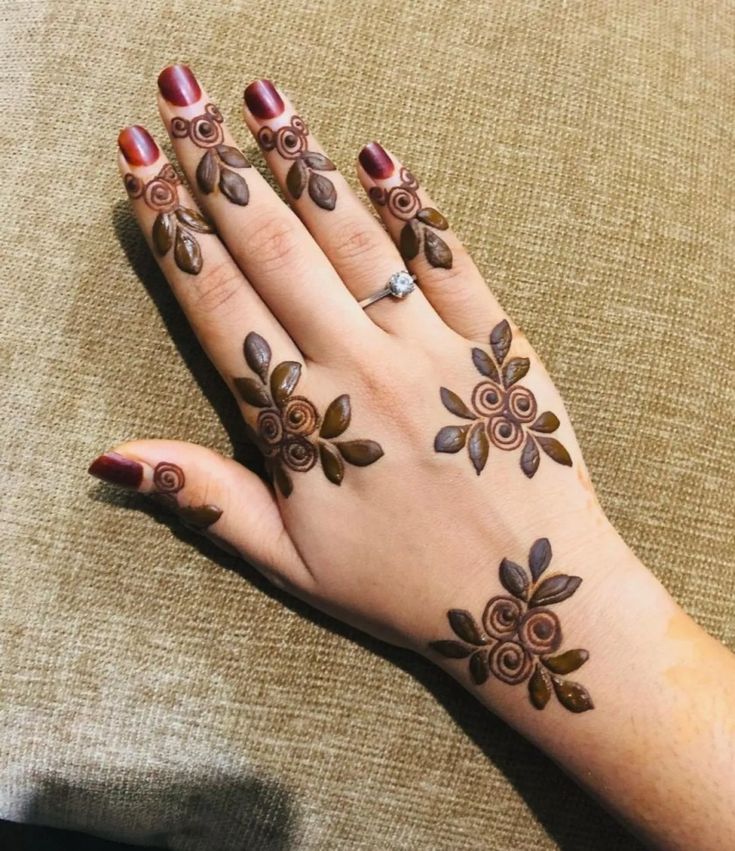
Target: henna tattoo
{"type": "Point", "coordinates": [215, 169]}
{"type": "Point", "coordinates": [175, 225]}
{"type": "Point", "coordinates": [286, 427]}
{"type": "Point", "coordinates": [168, 480]}
{"type": "Point", "coordinates": [518, 634]}
{"type": "Point", "coordinates": [291, 143]}
{"type": "Point", "coordinates": [402, 201]}
{"type": "Point", "coordinates": [503, 412]}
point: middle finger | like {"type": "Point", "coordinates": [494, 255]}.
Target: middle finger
{"type": "Point", "coordinates": [276, 253]}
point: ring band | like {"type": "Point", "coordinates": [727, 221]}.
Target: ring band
{"type": "Point", "coordinates": [399, 285]}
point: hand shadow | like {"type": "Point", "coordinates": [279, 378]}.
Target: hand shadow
{"type": "Point", "coordinates": [571, 818]}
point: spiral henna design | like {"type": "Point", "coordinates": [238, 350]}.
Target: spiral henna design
{"type": "Point", "coordinates": [215, 169]}
{"type": "Point", "coordinates": [518, 633]}
{"type": "Point", "coordinates": [289, 431]}
{"type": "Point", "coordinates": [175, 225]}
{"type": "Point", "coordinates": [291, 143]}
{"type": "Point", "coordinates": [402, 201]}
{"type": "Point", "coordinates": [168, 480]}
{"type": "Point", "coordinates": [503, 413]}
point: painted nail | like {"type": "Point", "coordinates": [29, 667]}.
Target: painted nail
{"type": "Point", "coordinates": [117, 470]}
{"type": "Point", "coordinates": [375, 161]}
{"type": "Point", "coordinates": [137, 145]}
{"type": "Point", "coordinates": [178, 85]}
{"type": "Point", "coordinates": [263, 100]}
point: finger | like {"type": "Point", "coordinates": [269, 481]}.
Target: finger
{"type": "Point", "coordinates": [212, 495]}
{"type": "Point", "coordinates": [212, 291]}
{"type": "Point", "coordinates": [355, 243]}
{"type": "Point", "coordinates": [445, 271]}
{"type": "Point", "coordinates": [267, 241]}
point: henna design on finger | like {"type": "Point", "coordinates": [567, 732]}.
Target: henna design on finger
{"type": "Point", "coordinates": [291, 143]}
{"type": "Point", "coordinates": [175, 225]}
{"type": "Point", "coordinates": [519, 635]}
{"type": "Point", "coordinates": [289, 431]}
{"type": "Point", "coordinates": [168, 480]}
{"type": "Point", "coordinates": [418, 232]}
{"type": "Point", "coordinates": [504, 413]}
{"type": "Point", "coordinates": [215, 169]}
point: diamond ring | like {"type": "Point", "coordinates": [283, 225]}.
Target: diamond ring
{"type": "Point", "coordinates": [399, 285]}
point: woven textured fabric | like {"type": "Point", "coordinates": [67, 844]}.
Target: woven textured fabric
{"type": "Point", "coordinates": [151, 689]}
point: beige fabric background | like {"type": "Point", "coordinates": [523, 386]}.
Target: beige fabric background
{"type": "Point", "coordinates": [152, 690]}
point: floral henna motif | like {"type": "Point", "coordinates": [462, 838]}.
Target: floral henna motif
{"type": "Point", "coordinates": [168, 480]}
{"type": "Point", "coordinates": [215, 167]}
{"type": "Point", "coordinates": [519, 634]}
{"type": "Point", "coordinates": [503, 412]}
{"type": "Point", "coordinates": [290, 142]}
{"type": "Point", "coordinates": [175, 225]}
{"type": "Point", "coordinates": [286, 428]}
{"type": "Point", "coordinates": [421, 222]}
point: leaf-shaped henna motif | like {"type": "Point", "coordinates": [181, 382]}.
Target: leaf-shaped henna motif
{"type": "Point", "coordinates": [539, 687]}
{"type": "Point", "coordinates": [478, 447]}
{"type": "Point", "coordinates": [317, 161]}
{"type": "Point", "coordinates": [337, 417]}
{"type": "Point", "coordinates": [296, 178]}
{"type": "Point", "coordinates": [437, 251]}
{"type": "Point", "coordinates": [465, 626]}
{"type": "Point", "coordinates": [479, 667]}
{"type": "Point", "coordinates": [504, 410]}
{"type": "Point", "coordinates": [360, 453]}
{"type": "Point", "coordinates": [174, 224]}
{"type": "Point", "coordinates": [567, 662]}
{"type": "Point", "coordinates": [257, 355]}
{"type": "Point", "coordinates": [513, 578]}
{"type": "Point", "coordinates": [451, 438]}
{"type": "Point", "coordinates": [205, 131]}
{"type": "Point", "coordinates": [289, 431]}
{"type": "Point", "coordinates": [539, 557]}
{"type": "Point", "coordinates": [455, 405]}
{"type": "Point", "coordinates": [433, 218]}
{"type": "Point", "coordinates": [233, 187]}
{"type": "Point", "coordinates": [409, 241]}
{"type": "Point", "coordinates": [322, 191]}
{"type": "Point", "coordinates": [520, 636]}
{"type": "Point", "coordinates": [451, 649]}
{"type": "Point", "coordinates": [554, 590]}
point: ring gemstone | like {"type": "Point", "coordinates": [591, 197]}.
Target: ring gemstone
{"type": "Point", "coordinates": [401, 284]}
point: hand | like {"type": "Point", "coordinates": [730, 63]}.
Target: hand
{"type": "Point", "coordinates": [427, 484]}
{"type": "Point", "coordinates": [410, 442]}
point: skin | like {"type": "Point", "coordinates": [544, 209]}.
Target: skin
{"type": "Point", "coordinates": [399, 543]}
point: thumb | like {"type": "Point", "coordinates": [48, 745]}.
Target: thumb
{"type": "Point", "coordinates": [212, 495]}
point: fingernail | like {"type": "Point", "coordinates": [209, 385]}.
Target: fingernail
{"type": "Point", "coordinates": [178, 85]}
{"type": "Point", "coordinates": [137, 145]}
{"type": "Point", "coordinates": [117, 470]}
{"type": "Point", "coordinates": [263, 100]}
{"type": "Point", "coordinates": [376, 162]}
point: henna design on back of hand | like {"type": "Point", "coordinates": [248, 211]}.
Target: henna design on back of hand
{"type": "Point", "coordinates": [291, 143]}
{"type": "Point", "coordinates": [519, 636]}
{"type": "Point", "coordinates": [503, 412]}
{"type": "Point", "coordinates": [215, 169]}
{"type": "Point", "coordinates": [286, 428]}
{"type": "Point", "coordinates": [421, 222]}
{"type": "Point", "coordinates": [168, 480]}
{"type": "Point", "coordinates": [175, 225]}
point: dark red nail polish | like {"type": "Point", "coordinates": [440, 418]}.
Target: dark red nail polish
{"type": "Point", "coordinates": [137, 145]}
{"type": "Point", "coordinates": [263, 100]}
{"type": "Point", "coordinates": [376, 162]}
{"type": "Point", "coordinates": [178, 85]}
{"type": "Point", "coordinates": [117, 470]}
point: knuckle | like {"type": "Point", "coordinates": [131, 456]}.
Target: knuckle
{"type": "Point", "coordinates": [274, 241]}
{"type": "Point", "coordinates": [215, 287]}
{"type": "Point", "coordinates": [351, 240]}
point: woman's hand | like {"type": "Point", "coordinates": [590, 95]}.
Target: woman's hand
{"type": "Point", "coordinates": [427, 484]}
